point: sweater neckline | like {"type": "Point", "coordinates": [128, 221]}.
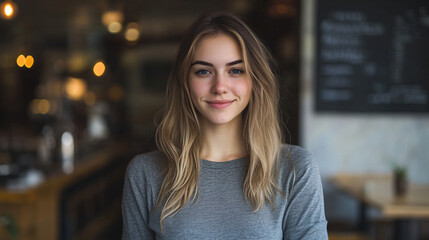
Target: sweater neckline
{"type": "Point", "coordinates": [234, 163]}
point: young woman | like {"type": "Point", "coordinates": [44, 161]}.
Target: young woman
{"type": "Point", "coordinates": [221, 171]}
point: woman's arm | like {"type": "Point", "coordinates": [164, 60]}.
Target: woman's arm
{"type": "Point", "coordinates": [135, 203]}
{"type": "Point", "coordinates": [305, 214]}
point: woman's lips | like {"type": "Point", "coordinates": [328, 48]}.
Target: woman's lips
{"type": "Point", "coordinates": [221, 104]}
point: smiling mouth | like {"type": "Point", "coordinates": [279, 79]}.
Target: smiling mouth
{"type": "Point", "coordinates": [220, 104]}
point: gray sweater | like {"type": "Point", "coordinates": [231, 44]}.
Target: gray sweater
{"type": "Point", "coordinates": [221, 211]}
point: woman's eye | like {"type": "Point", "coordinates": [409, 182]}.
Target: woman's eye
{"type": "Point", "coordinates": [236, 71]}
{"type": "Point", "coordinates": [203, 72]}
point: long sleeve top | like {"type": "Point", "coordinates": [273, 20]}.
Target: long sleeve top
{"type": "Point", "coordinates": [222, 211]}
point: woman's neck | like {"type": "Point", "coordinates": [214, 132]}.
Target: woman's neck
{"type": "Point", "coordinates": [220, 143]}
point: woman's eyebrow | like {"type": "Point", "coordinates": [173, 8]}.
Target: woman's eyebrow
{"type": "Point", "coordinates": [211, 65]}
{"type": "Point", "coordinates": [234, 62]}
{"type": "Point", "coordinates": [202, 63]}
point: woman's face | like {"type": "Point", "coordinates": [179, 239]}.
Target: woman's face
{"type": "Point", "coordinates": [220, 88]}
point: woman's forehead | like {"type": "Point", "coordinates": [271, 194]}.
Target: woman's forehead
{"type": "Point", "coordinates": [217, 48]}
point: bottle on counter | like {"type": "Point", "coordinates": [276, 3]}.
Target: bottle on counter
{"type": "Point", "coordinates": [67, 151]}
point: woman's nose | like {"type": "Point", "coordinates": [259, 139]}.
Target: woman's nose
{"type": "Point", "coordinates": [220, 84]}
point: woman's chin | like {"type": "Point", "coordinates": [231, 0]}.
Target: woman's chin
{"type": "Point", "coordinates": [219, 121]}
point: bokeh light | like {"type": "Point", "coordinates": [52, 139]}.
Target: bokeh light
{"type": "Point", "coordinates": [20, 60]}
{"type": "Point", "coordinates": [40, 106]}
{"type": "Point", "coordinates": [44, 106]}
{"type": "Point", "coordinates": [99, 69]}
{"type": "Point", "coordinates": [132, 33]}
{"type": "Point", "coordinates": [282, 8]}
{"type": "Point", "coordinates": [29, 61]}
{"type": "Point", "coordinates": [114, 27]}
{"type": "Point", "coordinates": [112, 16]}
{"type": "Point", "coordinates": [75, 88]}
{"type": "Point", "coordinates": [113, 21]}
{"type": "Point", "coordinates": [25, 61]}
{"type": "Point", "coordinates": [8, 10]}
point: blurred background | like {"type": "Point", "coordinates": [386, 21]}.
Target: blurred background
{"type": "Point", "coordinates": [81, 83]}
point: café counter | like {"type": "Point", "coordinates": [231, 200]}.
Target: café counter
{"type": "Point", "coordinates": [83, 204]}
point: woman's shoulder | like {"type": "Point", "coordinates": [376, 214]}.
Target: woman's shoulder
{"type": "Point", "coordinates": [146, 164]}
{"type": "Point", "coordinates": [297, 156]}
{"type": "Point", "coordinates": [297, 167]}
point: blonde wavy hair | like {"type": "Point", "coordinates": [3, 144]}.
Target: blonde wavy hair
{"type": "Point", "coordinates": [178, 133]}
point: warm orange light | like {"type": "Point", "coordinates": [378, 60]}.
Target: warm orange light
{"type": "Point", "coordinates": [112, 16]}
{"type": "Point", "coordinates": [99, 69]}
{"type": "Point", "coordinates": [20, 60]}
{"type": "Point", "coordinates": [44, 106]}
{"type": "Point", "coordinates": [113, 21]}
{"type": "Point", "coordinates": [29, 61]}
{"type": "Point", "coordinates": [75, 88]}
{"type": "Point", "coordinates": [40, 106]}
{"type": "Point", "coordinates": [114, 27]}
{"type": "Point", "coordinates": [132, 33]}
{"type": "Point", "coordinates": [282, 8]}
{"type": "Point", "coordinates": [8, 9]}
{"type": "Point", "coordinates": [25, 61]}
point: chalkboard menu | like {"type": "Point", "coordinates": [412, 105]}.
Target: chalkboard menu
{"type": "Point", "coordinates": [372, 56]}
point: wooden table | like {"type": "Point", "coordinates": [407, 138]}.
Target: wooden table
{"type": "Point", "coordinates": [377, 191]}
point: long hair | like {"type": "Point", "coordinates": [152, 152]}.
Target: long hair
{"type": "Point", "coordinates": [178, 133]}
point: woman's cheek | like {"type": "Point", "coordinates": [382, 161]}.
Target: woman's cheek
{"type": "Point", "coordinates": [198, 88]}
{"type": "Point", "coordinates": [243, 87]}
